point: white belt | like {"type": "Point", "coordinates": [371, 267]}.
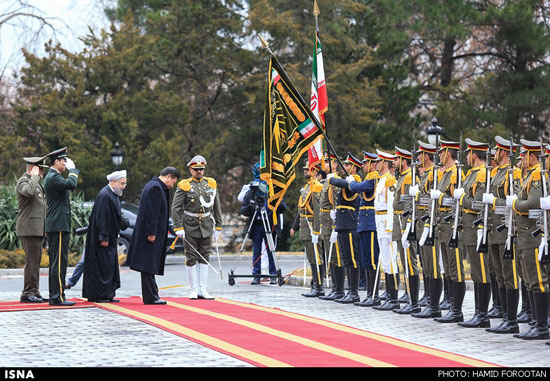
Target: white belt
{"type": "Point", "coordinates": [199, 215]}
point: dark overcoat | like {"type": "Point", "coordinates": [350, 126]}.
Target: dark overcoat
{"type": "Point", "coordinates": [152, 219]}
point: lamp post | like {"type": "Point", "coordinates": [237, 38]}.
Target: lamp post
{"type": "Point", "coordinates": [117, 155]}
{"type": "Point", "coordinates": [434, 132]}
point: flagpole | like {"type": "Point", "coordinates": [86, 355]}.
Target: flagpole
{"type": "Point", "coordinates": [265, 45]}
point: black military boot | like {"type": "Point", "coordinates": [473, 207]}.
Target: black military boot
{"type": "Point", "coordinates": [316, 283]}
{"type": "Point", "coordinates": [425, 300]}
{"type": "Point", "coordinates": [391, 302]}
{"type": "Point", "coordinates": [370, 288]}
{"type": "Point", "coordinates": [504, 305]}
{"type": "Point", "coordinates": [496, 310]}
{"type": "Point", "coordinates": [338, 279]}
{"type": "Point", "coordinates": [524, 315]}
{"type": "Point", "coordinates": [446, 303]}
{"type": "Point", "coordinates": [412, 306]}
{"type": "Point", "coordinates": [481, 320]}
{"type": "Point", "coordinates": [539, 331]}
{"type": "Point", "coordinates": [455, 313]}
{"type": "Point", "coordinates": [510, 325]}
{"type": "Point", "coordinates": [353, 295]}
{"type": "Point", "coordinates": [433, 310]}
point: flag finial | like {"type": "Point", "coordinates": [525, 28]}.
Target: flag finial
{"type": "Point", "coordinates": [315, 9]}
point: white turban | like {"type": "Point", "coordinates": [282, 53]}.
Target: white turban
{"type": "Point", "coordinates": [116, 175]}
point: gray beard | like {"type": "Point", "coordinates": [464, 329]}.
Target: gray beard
{"type": "Point", "coordinates": [118, 192]}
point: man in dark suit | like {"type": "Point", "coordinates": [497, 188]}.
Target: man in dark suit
{"type": "Point", "coordinates": [58, 221]}
{"type": "Point", "coordinates": [30, 225]}
{"type": "Point", "coordinates": [147, 251]}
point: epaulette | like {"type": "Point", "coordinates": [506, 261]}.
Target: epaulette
{"type": "Point", "coordinates": [316, 187]}
{"type": "Point", "coordinates": [535, 176]}
{"type": "Point", "coordinates": [481, 176]}
{"type": "Point", "coordinates": [517, 173]}
{"type": "Point", "coordinates": [390, 181]}
{"type": "Point", "coordinates": [494, 171]}
{"type": "Point", "coordinates": [211, 182]}
{"type": "Point", "coordinates": [408, 179]}
{"type": "Point", "coordinates": [357, 178]}
{"type": "Point", "coordinates": [371, 176]}
{"type": "Point", "coordinates": [185, 184]}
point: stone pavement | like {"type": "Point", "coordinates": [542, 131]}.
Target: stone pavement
{"type": "Point", "coordinates": [92, 337]}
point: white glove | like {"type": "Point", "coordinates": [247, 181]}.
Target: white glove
{"type": "Point", "coordinates": [215, 235]}
{"type": "Point", "coordinates": [330, 176]}
{"type": "Point", "coordinates": [510, 200]}
{"type": "Point", "coordinates": [435, 194]}
{"type": "Point", "coordinates": [180, 233]}
{"type": "Point", "coordinates": [479, 237]}
{"type": "Point", "coordinates": [315, 238]}
{"type": "Point", "coordinates": [542, 247]}
{"type": "Point", "coordinates": [333, 214]}
{"type": "Point", "coordinates": [488, 198]}
{"type": "Point", "coordinates": [457, 193]}
{"type": "Point", "coordinates": [333, 237]}
{"type": "Point", "coordinates": [425, 233]}
{"type": "Point", "coordinates": [69, 164]}
{"type": "Point", "coordinates": [404, 238]}
{"type": "Point", "coordinates": [414, 190]}
{"type": "Point", "coordinates": [545, 202]}
{"type": "Point", "coordinates": [350, 179]}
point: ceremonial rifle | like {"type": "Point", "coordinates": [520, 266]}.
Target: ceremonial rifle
{"type": "Point", "coordinates": [453, 239]}
{"type": "Point", "coordinates": [430, 238]}
{"type": "Point", "coordinates": [544, 256]}
{"type": "Point", "coordinates": [412, 231]}
{"type": "Point", "coordinates": [509, 246]}
{"type": "Point", "coordinates": [483, 245]}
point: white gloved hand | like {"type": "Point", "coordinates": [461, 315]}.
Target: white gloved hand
{"type": "Point", "coordinates": [180, 233]}
{"type": "Point", "coordinates": [510, 200]}
{"type": "Point", "coordinates": [333, 214]}
{"type": "Point", "coordinates": [330, 176]}
{"type": "Point", "coordinates": [315, 238]}
{"type": "Point", "coordinates": [69, 164]}
{"type": "Point", "coordinates": [333, 237]}
{"type": "Point", "coordinates": [414, 190]}
{"type": "Point", "coordinates": [215, 235]}
{"type": "Point", "coordinates": [479, 237]}
{"type": "Point", "coordinates": [435, 194]}
{"type": "Point", "coordinates": [350, 179]}
{"type": "Point", "coordinates": [488, 198]}
{"type": "Point", "coordinates": [545, 202]}
{"type": "Point", "coordinates": [457, 193]}
{"type": "Point", "coordinates": [542, 248]}
{"type": "Point", "coordinates": [425, 233]}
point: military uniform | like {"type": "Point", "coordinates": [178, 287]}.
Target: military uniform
{"type": "Point", "coordinates": [196, 211]}
{"type": "Point", "coordinates": [347, 206]}
{"type": "Point", "coordinates": [506, 269]}
{"type": "Point", "coordinates": [30, 228]}
{"type": "Point", "coordinates": [534, 273]}
{"type": "Point", "coordinates": [383, 207]}
{"type": "Point", "coordinates": [308, 223]}
{"type": "Point", "coordinates": [327, 203]}
{"type": "Point", "coordinates": [366, 228]}
{"type": "Point", "coordinates": [402, 221]}
{"type": "Point", "coordinates": [430, 263]}
{"type": "Point", "coordinates": [470, 196]}
{"type": "Point", "coordinates": [58, 225]}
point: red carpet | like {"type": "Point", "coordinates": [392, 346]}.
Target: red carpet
{"type": "Point", "coordinates": [271, 337]}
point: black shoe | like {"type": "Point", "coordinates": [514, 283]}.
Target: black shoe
{"type": "Point", "coordinates": [65, 303]}
{"type": "Point", "coordinates": [314, 293]}
{"type": "Point", "coordinates": [404, 298]}
{"type": "Point", "coordinates": [445, 305]}
{"type": "Point", "coordinates": [388, 305]}
{"type": "Point", "coordinates": [256, 280]}
{"type": "Point", "coordinates": [156, 302]}
{"type": "Point", "coordinates": [31, 299]}
{"type": "Point", "coordinates": [495, 313]}
{"type": "Point", "coordinates": [481, 321]}
{"type": "Point", "coordinates": [535, 333]}
{"type": "Point", "coordinates": [333, 295]}
{"type": "Point", "coordinates": [427, 313]}
{"type": "Point", "coordinates": [452, 316]}
{"type": "Point", "coordinates": [350, 298]}
{"type": "Point", "coordinates": [408, 309]}
{"type": "Point", "coordinates": [506, 327]}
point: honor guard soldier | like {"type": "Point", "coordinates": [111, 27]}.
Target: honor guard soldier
{"type": "Point", "coordinates": [383, 208]}
{"type": "Point", "coordinates": [505, 181]}
{"type": "Point", "coordinates": [197, 215]}
{"type": "Point", "coordinates": [534, 272]}
{"type": "Point", "coordinates": [307, 223]}
{"type": "Point", "coordinates": [452, 259]}
{"type": "Point", "coordinates": [433, 280]}
{"type": "Point", "coordinates": [327, 209]}
{"type": "Point", "coordinates": [402, 221]}
{"type": "Point", "coordinates": [58, 221]}
{"type": "Point", "coordinates": [366, 228]}
{"type": "Point", "coordinates": [347, 205]}
{"type": "Point", "coordinates": [469, 197]}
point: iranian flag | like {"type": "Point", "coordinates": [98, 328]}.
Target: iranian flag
{"type": "Point", "coordinates": [319, 101]}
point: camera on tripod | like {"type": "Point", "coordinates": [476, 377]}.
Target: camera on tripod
{"type": "Point", "coordinates": [259, 193]}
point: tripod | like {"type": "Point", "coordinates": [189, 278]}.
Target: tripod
{"type": "Point", "coordinates": [271, 245]}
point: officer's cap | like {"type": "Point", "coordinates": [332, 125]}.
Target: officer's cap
{"type": "Point", "coordinates": [384, 155]}
{"type": "Point", "coordinates": [529, 145]}
{"type": "Point", "coordinates": [445, 144]}
{"type": "Point", "coordinates": [400, 152]}
{"type": "Point", "coordinates": [368, 156]}
{"type": "Point", "coordinates": [35, 160]}
{"type": "Point", "coordinates": [477, 146]}
{"type": "Point", "coordinates": [197, 162]}
{"type": "Point", "coordinates": [426, 147]}
{"type": "Point", "coordinates": [353, 160]}
{"type": "Point", "coordinates": [504, 144]}
{"type": "Point", "coordinates": [58, 154]}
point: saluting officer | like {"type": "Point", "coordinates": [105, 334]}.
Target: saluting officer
{"type": "Point", "coordinates": [347, 205]}
{"type": "Point", "coordinates": [368, 239]}
{"type": "Point", "coordinates": [453, 265]}
{"type": "Point", "coordinates": [327, 204]}
{"type": "Point", "coordinates": [197, 215]}
{"type": "Point", "coordinates": [469, 197]}
{"type": "Point", "coordinates": [433, 280]}
{"type": "Point", "coordinates": [58, 221]}
{"type": "Point", "coordinates": [402, 210]}
{"type": "Point", "coordinates": [506, 270]}
{"type": "Point", "coordinates": [534, 273]}
{"type": "Point", "coordinates": [383, 207]}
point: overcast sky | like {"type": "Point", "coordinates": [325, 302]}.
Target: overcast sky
{"type": "Point", "coordinates": [69, 19]}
